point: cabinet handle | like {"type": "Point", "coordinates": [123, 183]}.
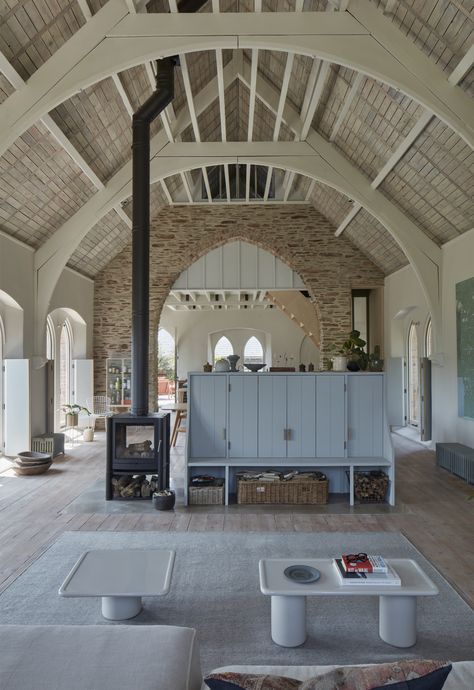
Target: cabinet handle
{"type": "Point", "coordinates": [288, 434]}
{"type": "Point", "coordinates": [285, 434]}
{"type": "Point", "coordinates": [224, 433]}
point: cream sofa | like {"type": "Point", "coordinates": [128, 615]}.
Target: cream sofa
{"type": "Point", "coordinates": [125, 657]}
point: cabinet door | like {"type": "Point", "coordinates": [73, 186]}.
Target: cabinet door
{"type": "Point", "coordinates": [301, 416]}
{"type": "Point", "coordinates": [330, 416]}
{"type": "Point", "coordinates": [207, 421]}
{"type": "Point", "coordinates": [365, 415]}
{"type": "Point", "coordinates": [271, 416]}
{"type": "Point", "coordinates": [243, 414]}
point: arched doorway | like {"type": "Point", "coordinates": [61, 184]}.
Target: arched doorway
{"type": "Point", "coordinates": [166, 365]}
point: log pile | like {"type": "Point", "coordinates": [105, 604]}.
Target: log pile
{"type": "Point", "coordinates": [134, 486]}
{"type": "Point", "coordinates": [370, 487]}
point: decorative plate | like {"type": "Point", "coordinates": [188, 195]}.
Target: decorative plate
{"type": "Point", "coordinates": [304, 574]}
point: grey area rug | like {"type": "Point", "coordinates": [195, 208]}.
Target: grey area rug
{"type": "Point", "coordinates": [215, 589]}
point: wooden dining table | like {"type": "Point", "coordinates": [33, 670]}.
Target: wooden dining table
{"type": "Point", "coordinates": [181, 409]}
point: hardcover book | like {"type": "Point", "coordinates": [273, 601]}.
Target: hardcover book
{"type": "Point", "coordinates": [390, 578]}
{"type": "Point", "coordinates": [373, 564]}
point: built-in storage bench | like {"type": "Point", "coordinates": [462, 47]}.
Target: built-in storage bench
{"type": "Point", "coordinates": [333, 422]}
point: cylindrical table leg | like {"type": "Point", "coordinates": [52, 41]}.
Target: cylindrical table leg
{"type": "Point", "coordinates": [121, 608]}
{"type": "Point", "coordinates": [288, 620]}
{"type": "Point", "coordinates": [397, 620]}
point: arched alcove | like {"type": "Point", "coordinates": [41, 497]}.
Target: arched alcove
{"type": "Point", "coordinates": [11, 314]}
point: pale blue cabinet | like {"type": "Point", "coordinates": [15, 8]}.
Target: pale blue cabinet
{"type": "Point", "coordinates": [208, 416]}
{"type": "Point", "coordinates": [272, 427]}
{"type": "Point", "coordinates": [301, 416]}
{"type": "Point", "coordinates": [365, 412]}
{"type": "Point", "coordinates": [330, 416]}
{"type": "Point", "coordinates": [243, 416]}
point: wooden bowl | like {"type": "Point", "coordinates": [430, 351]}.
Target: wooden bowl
{"type": "Point", "coordinates": [31, 457]}
{"type": "Point", "coordinates": [32, 469]}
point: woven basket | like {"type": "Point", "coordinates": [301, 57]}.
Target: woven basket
{"type": "Point", "coordinates": [295, 491]}
{"type": "Point", "coordinates": [206, 495]}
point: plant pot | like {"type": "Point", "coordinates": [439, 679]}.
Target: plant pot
{"type": "Point", "coordinates": [164, 502]}
{"type": "Point", "coordinates": [88, 434]}
{"type": "Point", "coordinates": [72, 418]}
{"type": "Point", "coordinates": [352, 365]}
{"type": "Point", "coordinates": [221, 365]}
{"type": "Point", "coordinates": [339, 363]}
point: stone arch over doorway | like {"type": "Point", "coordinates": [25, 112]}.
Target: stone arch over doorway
{"type": "Point", "coordinates": [301, 237]}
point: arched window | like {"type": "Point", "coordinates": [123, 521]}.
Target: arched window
{"type": "Point", "coordinates": [50, 344]}
{"type": "Point", "coordinates": [223, 348]}
{"type": "Point", "coordinates": [253, 351]}
{"type": "Point", "coordinates": [166, 363]}
{"type": "Point", "coordinates": [413, 376]}
{"type": "Point", "coordinates": [65, 342]}
{"type": "Point", "coordinates": [429, 339]}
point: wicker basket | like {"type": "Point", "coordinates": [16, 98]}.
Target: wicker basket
{"type": "Point", "coordinates": [371, 486]}
{"type": "Point", "coordinates": [212, 495]}
{"type": "Point", "coordinates": [295, 491]}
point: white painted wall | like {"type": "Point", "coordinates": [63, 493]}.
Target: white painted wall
{"type": "Point", "coordinates": [402, 291]}
{"type": "Point", "coordinates": [73, 291]}
{"type": "Point", "coordinates": [194, 327]}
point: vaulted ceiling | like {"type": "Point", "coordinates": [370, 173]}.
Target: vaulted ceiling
{"type": "Point", "coordinates": [52, 170]}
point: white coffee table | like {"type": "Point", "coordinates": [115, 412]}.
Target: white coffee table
{"type": "Point", "coordinates": [121, 577]}
{"type": "Point", "coordinates": [397, 604]}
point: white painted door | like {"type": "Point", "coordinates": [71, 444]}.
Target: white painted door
{"type": "Point", "coordinates": [272, 423]}
{"type": "Point", "coordinates": [330, 416]}
{"type": "Point", "coordinates": [17, 406]}
{"type": "Point", "coordinates": [365, 408]}
{"type": "Point", "coordinates": [301, 416]}
{"type": "Point", "coordinates": [243, 416]}
{"type": "Point", "coordinates": [207, 416]}
{"type": "Point", "coordinates": [83, 386]}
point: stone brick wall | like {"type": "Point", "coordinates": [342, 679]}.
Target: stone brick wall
{"type": "Point", "coordinates": [301, 237]}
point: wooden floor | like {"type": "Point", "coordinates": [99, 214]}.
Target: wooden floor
{"type": "Point", "coordinates": [432, 511]}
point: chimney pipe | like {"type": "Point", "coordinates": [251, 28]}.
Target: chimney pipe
{"type": "Point", "coordinates": [142, 119]}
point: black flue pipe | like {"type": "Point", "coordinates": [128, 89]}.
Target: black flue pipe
{"type": "Point", "coordinates": [141, 122]}
{"type": "Point", "coordinates": [142, 119]}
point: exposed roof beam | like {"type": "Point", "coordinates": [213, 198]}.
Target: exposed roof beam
{"type": "Point", "coordinates": [253, 82]}
{"type": "Point", "coordinates": [390, 6]}
{"type": "Point", "coordinates": [348, 219]}
{"type": "Point", "coordinates": [463, 67]}
{"type": "Point", "coordinates": [114, 40]}
{"type": "Point", "coordinates": [120, 212]}
{"type": "Point", "coordinates": [267, 183]}
{"type": "Point", "coordinates": [310, 190]}
{"type": "Point", "coordinates": [283, 93]}
{"type": "Point", "coordinates": [315, 98]}
{"type": "Point", "coordinates": [165, 189]}
{"type": "Point", "coordinates": [85, 9]}
{"type": "Point", "coordinates": [346, 105]}
{"type": "Point", "coordinates": [288, 186]}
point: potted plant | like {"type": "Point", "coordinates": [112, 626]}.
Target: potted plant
{"type": "Point", "coordinates": [72, 413]}
{"type": "Point", "coordinates": [351, 355]}
{"type": "Point", "coordinates": [88, 433]}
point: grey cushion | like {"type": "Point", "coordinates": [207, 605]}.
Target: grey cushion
{"type": "Point", "coordinates": [87, 657]}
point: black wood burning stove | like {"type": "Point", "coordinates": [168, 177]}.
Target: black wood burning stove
{"type": "Point", "coordinates": [137, 447]}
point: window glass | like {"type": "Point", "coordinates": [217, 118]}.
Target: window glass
{"type": "Point", "coordinates": [253, 351]}
{"type": "Point", "coordinates": [223, 348]}
{"type": "Point", "coordinates": [413, 377]}
{"type": "Point", "coordinates": [64, 371]}
{"type": "Point", "coordinates": [429, 339]}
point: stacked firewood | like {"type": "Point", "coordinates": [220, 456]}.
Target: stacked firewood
{"type": "Point", "coordinates": [370, 486]}
{"type": "Point", "coordinates": [134, 486]}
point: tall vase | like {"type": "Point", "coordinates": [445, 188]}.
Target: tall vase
{"type": "Point", "coordinates": [233, 359]}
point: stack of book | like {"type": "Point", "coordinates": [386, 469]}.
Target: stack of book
{"type": "Point", "coordinates": [373, 571]}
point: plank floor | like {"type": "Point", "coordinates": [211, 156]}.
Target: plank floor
{"type": "Point", "coordinates": [432, 511]}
